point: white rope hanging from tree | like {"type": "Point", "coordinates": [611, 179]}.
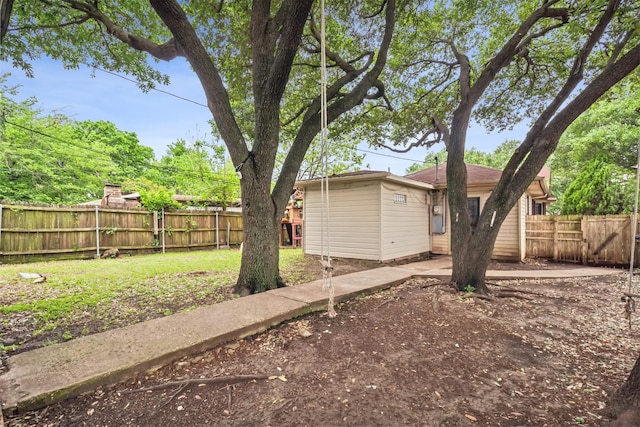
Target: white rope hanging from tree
{"type": "Point", "coordinates": [324, 183]}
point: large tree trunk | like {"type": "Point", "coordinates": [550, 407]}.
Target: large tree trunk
{"type": "Point", "coordinates": [471, 258]}
{"type": "Point", "coordinates": [259, 269]}
{"type": "Point", "coordinates": [624, 404]}
{"type": "Point", "coordinates": [471, 245]}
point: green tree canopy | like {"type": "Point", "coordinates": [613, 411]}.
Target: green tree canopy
{"type": "Point", "coordinates": [50, 158]}
{"type": "Point", "coordinates": [43, 160]}
{"type": "Point", "coordinates": [122, 147]}
{"type": "Point", "coordinates": [198, 169]}
{"type": "Point", "coordinates": [601, 188]}
{"type": "Point", "coordinates": [608, 131]}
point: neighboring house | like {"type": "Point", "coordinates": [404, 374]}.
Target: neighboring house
{"type": "Point", "coordinates": [291, 224]}
{"type": "Point", "coordinates": [381, 216]}
{"type": "Point", "coordinates": [481, 180]}
{"type": "Point", "coordinates": [114, 198]}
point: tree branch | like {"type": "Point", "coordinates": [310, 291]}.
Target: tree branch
{"type": "Point", "coordinates": [311, 122]}
{"type": "Point", "coordinates": [574, 78]}
{"type": "Point", "coordinates": [617, 50]}
{"type": "Point", "coordinates": [346, 66]}
{"type": "Point", "coordinates": [5, 16]}
{"type": "Point", "coordinates": [78, 21]}
{"type": "Point", "coordinates": [543, 137]}
{"type": "Point", "coordinates": [515, 45]}
{"type": "Point", "coordinates": [377, 12]}
{"type": "Point", "coordinates": [217, 98]}
{"type": "Point", "coordinates": [166, 51]}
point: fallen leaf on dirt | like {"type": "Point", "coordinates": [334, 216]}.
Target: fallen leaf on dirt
{"type": "Point", "coordinates": [91, 411]}
{"type": "Point", "coordinates": [471, 417]}
{"type": "Point", "coordinates": [438, 394]}
{"type": "Point", "coordinates": [282, 378]}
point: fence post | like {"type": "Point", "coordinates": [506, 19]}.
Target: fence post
{"type": "Point", "coordinates": [555, 238]}
{"type": "Point", "coordinates": [163, 230]}
{"type": "Point", "coordinates": [97, 234]}
{"type": "Point", "coordinates": [217, 233]}
{"type": "Point", "coordinates": [585, 243]}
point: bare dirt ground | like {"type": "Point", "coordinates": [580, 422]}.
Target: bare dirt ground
{"type": "Point", "coordinates": [416, 354]}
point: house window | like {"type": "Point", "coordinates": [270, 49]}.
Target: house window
{"type": "Point", "coordinates": [538, 208]}
{"type": "Point", "coordinates": [474, 209]}
{"type": "Point", "coordinates": [400, 198]}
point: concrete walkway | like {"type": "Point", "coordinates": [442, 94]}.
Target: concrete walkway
{"type": "Point", "coordinates": [46, 375]}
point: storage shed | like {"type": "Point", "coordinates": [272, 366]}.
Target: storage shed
{"type": "Point", "coordinates": [372, 215]}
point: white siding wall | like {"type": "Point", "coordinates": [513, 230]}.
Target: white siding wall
{"type": "Point", "coordinates": [405, 226]}
{"type": "Point", "coordinates": [508, 242]}
{"type": "Point", "coordinates": [441, 243]}
{"type": "Point", "coordinates": [354, 215]}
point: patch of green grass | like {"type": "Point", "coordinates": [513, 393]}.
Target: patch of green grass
{"type": "Point", "coordinates": [107, 293]}
{"type": "Point", "coordinates": [49, 309]}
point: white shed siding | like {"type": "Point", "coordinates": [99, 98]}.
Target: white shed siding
{"type": "Point", "coordinates": [405, 226]}
{"type": "Point", "coordinates": [354, 215]}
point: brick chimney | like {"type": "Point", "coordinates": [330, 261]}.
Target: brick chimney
{"type": "Point", "coordinates": [113, 196]}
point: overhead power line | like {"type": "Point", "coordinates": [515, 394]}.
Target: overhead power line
{"type": "Point", "coordinates": [106, 157]}
{"type": "Point", "coordinates": [153, 88]}
{"type": "Point", "coordinates": [390, 155]}
{"type": "Point", "coordinates": [204, 105]}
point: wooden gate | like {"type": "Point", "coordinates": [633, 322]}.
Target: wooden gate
{"type": "Point", "coordinates": [600, 240]}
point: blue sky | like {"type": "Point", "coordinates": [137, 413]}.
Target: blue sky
{"type": "Point", "coordinates": [159, 119]}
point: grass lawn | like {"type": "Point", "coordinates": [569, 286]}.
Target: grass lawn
{"type": "Point", "coordinates": [88, 296]}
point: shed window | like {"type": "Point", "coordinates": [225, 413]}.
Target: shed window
{"type": "Point", "coordinates": [400, 198]}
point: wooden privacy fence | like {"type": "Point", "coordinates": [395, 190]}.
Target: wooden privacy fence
{"type": "Point", "coordinates": [601, 240]}
{"type": "Point", "coordinates": [30, 233]}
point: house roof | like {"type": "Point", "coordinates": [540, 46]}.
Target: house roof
{"type": "Point", "coordinates": [437, 175]}
{"type": "Point", "coordinates": [479, 175]}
